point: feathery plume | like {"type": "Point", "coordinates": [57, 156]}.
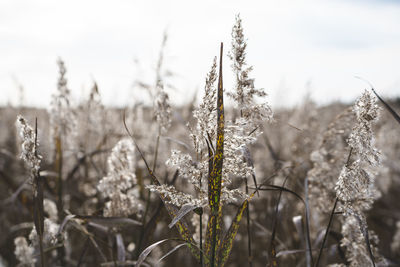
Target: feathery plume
{"type": "Point", "coordinates": [62, 117]}
{"type": "Point", "coordinates": [354, 241]}
{"type": "Point", "coordinates": [119, 182]}
{"type": "Point", "coordinates": [23, 252]}
{"type": "Point", "coordinates": [29, 145]}
{"type": "Point", "coordinates": [355, 186]}
{"type": "Point", "coordinates": [245, 92]}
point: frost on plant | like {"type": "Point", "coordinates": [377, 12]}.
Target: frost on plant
{"type": "Point", "coordinates": [62, 117]}
{"type": "Point", "coordinates": [362, 138]}
{"type": "Point", "coordinates": [206, 113]}
{"type": "Point", "coordinates": [162, 109]}
{"type": "Point", "coordinates": [50, 236]}
{"type": "Point", "coordinates": [117, 186]}
{"type": "Point", "coordinates": [238, 135]}
{"type": "Point", "coordinates": [197, 169]}
{"type": "Point", "coordinates": [23, 252]}
{"type": "Point", "coordinates": [245, 92]}
{"type": "Point", "coordinates": [29, 153]}
{"type": "Point", "coordinates": [51, 209]}
{"type": "Point", "coordinates": [354, 242]}
{"type": "Point", "coordinates": [91, 120]}
{"type": "Point", "coordinates": [243, 131]}
{"type": "Point", "coordinates": [355, 187]}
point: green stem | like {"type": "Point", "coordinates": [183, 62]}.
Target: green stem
{"type": "Point", "coordinates": [250, 259]}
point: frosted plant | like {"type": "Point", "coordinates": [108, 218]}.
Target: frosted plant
{"type": "Point", "coordinates": [162, 109]}
{"type": "Point", "coordinates": [29, 153]}
{"type": "Point", "coordinates": [206, 113]}
{"type": "Point", "coordinates": [96, 108]}
{"type": "Point", "coordinates": [92, 120]}
{"type": "Point", "coordinates": [51, 209]}
{"type": "Point", "coordinates": [245, 92]}
{"type": "Point", "coordinates": [62, 117]}
{"type": "Point", "coordinates": [354, 241]}
{"type": "Point", "coordinates": [156, 90]}
{"type": "Point", "coordinates": [355, 187]}
{"type": "Point", "coordinates": [362, 138]}
{"type": "Point", "coordinates": [50, 232]}
{"type": "Point", "coordinates": [92, 131]}
{"type": "Point", "coordinates": [161, 106]}
{"type": "Point", "coordinates": [51, 227]}
{"type": "Point", "coordinates": [237, 159]}
{"type": "Point", "coordinates": [244, 130]}
{"type": "Point", "coordinates": [23, 252]}
{"type": "Point", "coordinates": [387, 141]}
{"type": "Point", "coordinates": [197, 170]}
{"type": "Point", "coordinates": [237, 135]}
{"type": "Point", "coordinates": [119, 182]}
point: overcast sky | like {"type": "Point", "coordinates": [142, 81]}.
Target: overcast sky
{"type": "Point", "coordinates": [296, 47]}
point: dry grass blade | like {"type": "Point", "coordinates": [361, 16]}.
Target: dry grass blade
{"type": "Point", "coordinates": [172, 251]}
{"type": "Point", "coordinates": [121, 253]}
{"type": "Point", "coordinates": [185, 209]}
{"type": "Point", "coordinates": [149, 249]}
{"type": "Point", "coordinates": [122, 263]}
{"type": "Point", "coordinates": [364, 230]}
{"type": "Point", "coordinates": [387, 106]}
{"type": "Point", "coordinates": [215, 178]}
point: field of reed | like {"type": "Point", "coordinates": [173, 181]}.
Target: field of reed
{"type": "Point", "coordinates": [203, 184]}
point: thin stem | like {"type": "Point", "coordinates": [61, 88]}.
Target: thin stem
{"type": "Point", "coordinates": [59, 167]}
{"type": "Point", "coordinates": [326, 232]}
{"type": "Point", "coordinates": [272, 251]}
{"type": "Point", "coordinates": [309, 256]}
{"type": "Point", "coordinates": [39, 210]}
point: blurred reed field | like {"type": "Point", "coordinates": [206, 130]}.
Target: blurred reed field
{"type": "Point", "coordinates": [201, 184]}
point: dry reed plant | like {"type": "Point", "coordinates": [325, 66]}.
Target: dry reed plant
{"type": "Point", "coordinates": [161, 185]}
